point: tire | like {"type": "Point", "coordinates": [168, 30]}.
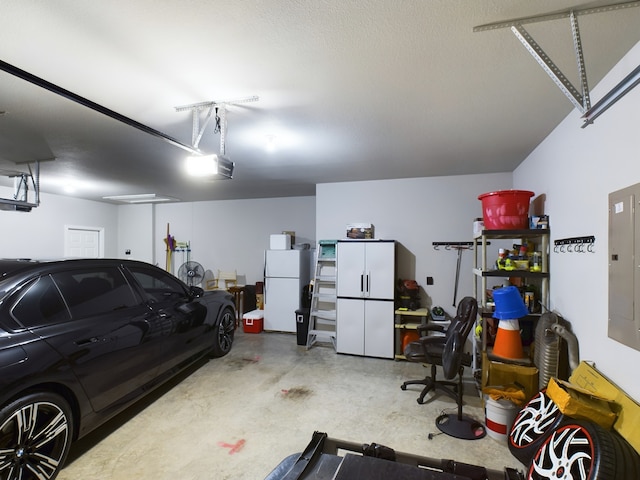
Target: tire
{"type": "Point", "coordinates": [533, 424]}
{"type": "Point", "coordinates": [223, 333]}
{"type": "Point", "coordinates": [35, 435]}
{"type": "Point", "coordinates": [577, 451]}
{"type": "Point", "coordinates": [628, 459]}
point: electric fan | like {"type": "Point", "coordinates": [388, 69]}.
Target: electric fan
{"type": "Point", "coordinates": [191, 273]}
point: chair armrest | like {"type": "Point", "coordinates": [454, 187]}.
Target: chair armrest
{"type": "Point", "coordinates": [426, 342]}
{"type": "Point", "coordinates": [429, 327]}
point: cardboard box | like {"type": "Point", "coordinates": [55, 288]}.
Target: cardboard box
{"type": "Point", "coordinates": [280, 241]}
{"type": "Point", "coordinates": [588, 378]}
{"type": "Point", "coordinates": [498, 373]}
{"type": "Point", "coordinates": [579, 403]}
{"type": "Point", "coordinates": [360, 231]}
{"type": "Point", "coordinates": [253, 321]}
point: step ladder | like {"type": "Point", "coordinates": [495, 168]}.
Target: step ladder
{"type": "Point", "coordinates": [322, 315]}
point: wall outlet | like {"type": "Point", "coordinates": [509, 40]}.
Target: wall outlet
{"type": "Point", "coordinates": [429, 280]}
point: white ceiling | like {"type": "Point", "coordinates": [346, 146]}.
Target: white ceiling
{"type": "Point", "coordinates": [350, 89]}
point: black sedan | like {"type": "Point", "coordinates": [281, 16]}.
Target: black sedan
{"type": "Point", "coordinates": [80, 340]}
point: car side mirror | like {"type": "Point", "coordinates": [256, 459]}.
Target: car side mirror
{"type": "Point", "coordinates": [196, 292]}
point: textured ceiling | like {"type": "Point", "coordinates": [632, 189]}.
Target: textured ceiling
{"type": "Point", "coordinates": [349, 90]}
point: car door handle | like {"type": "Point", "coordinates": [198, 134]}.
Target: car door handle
{"type": "Point", "coordinates": [87, 341]}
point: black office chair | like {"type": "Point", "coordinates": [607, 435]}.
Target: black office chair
{"type": "Point", "coordinates": [429, 349]}
{"type": "Point", "coordinates": [448, 351]}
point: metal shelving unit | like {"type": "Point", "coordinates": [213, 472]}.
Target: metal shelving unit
{"type": "Point", "coordinates": [483, 270]}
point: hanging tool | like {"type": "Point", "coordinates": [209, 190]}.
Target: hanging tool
{"type": "Point", "coordinates": [459, 246]}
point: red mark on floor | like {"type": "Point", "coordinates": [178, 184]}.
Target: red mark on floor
{"type": "Point", "coordinates": [233, 447]}
{"type": "Point", "coordinates": [284, 391]}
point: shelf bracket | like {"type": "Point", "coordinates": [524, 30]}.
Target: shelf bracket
{"type": "Point", "coordinates": [220, 108]}
{"type": "Point", "coordinates": [578, 97]}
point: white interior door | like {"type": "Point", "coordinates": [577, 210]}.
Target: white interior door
{"type": "Point", "coordinates": [84, 242]}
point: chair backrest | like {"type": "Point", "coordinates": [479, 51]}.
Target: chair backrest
{"type": "Point", "coordinates": [465, 318]}
{"type": "Point", "coordinates": [457, 334]}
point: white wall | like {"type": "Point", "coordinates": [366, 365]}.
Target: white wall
{"type": "Point", "coordinates": [135, 232]}
{"type": "Point", "coordinates": [232, 234]}
{"type": "Point", "coordinates": [416, 212]}
{"type": "Point", "coordinates": [40, 233]}
{"type": "Point", "coordinates": [576, 169]}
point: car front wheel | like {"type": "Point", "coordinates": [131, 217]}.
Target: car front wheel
{"type": "Point", "coordinates": [224, 333]}
{"type": "Point", "coordinates": [35, 436]}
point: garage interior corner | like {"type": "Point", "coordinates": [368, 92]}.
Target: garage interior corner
{"type": "Point", "coordinates": [237, 417]}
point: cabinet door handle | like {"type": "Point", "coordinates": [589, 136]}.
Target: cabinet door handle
{"type": "Point", "coordinates": [362, 283]}
{"type": "Point", "coordinates": [368, 286]}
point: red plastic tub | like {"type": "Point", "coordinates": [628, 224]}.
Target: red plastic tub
{"type": "Point", "coordinates": [506, 209]}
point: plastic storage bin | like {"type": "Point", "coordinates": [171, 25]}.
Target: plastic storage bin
{"type": "Point", "coordinates": [506, 209]}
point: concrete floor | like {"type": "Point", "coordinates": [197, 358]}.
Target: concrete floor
{"type": "Point", "coordinates": [237, 417]}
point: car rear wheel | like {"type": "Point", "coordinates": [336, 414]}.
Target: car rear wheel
{"type": "Point", "coordinates": [35, 436]}
{"type": "Point", "coordinates": [224, 333]}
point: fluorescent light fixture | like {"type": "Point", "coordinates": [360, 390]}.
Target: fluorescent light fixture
{"type": "Point", "coordinates": [140, 198]}
{"type": "Point", "coordinates": [208, 166]}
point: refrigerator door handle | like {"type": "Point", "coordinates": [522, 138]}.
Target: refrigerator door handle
{"type": "Point", "coordinates": [362, 283]}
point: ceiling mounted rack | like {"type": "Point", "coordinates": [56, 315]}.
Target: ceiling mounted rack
{"type": "Point", "coordinates": [22, 183]}
{"type": "Point", "coordinates": [220, 109]}
{"type": "Point", "coordinates": [578, 97]}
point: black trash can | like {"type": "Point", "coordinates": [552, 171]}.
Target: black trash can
{"type": "Point", "coordinates": [302, 325]}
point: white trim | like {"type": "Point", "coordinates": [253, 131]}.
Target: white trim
{"type": "Point", "coordinates": [69, 228]}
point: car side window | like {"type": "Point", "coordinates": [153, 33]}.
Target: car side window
{"type": "Point", "coordinates": [40, 305]}
{"type": "Point", "coordinates": [158, 285]}
{"type": "Point", "coordinates": [95, 291]}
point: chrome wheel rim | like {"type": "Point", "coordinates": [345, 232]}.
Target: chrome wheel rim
{"type": "Point", "coordinates": [226, 330]}
{"type": "Point", "coordinates": [567, 454]}
{"type": "Point", "coordinates": [33, 442]}
{"type": "Point", "coordinates": [533, 420]}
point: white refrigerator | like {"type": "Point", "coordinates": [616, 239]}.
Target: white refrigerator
{"type": "Point", "coordinates": [286, 272]}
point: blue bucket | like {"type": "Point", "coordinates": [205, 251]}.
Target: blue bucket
{"type": "Point", "coordinates": [509, 304]}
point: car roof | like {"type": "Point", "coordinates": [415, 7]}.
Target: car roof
{"type": "Point", "coordinates": [10, 266]}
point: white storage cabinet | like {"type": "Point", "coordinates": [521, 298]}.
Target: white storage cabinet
{"type": "Point", "coordinates": [365, 286]}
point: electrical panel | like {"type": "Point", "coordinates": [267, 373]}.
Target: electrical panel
{"type": "Point", "coordinates": [624, 271]}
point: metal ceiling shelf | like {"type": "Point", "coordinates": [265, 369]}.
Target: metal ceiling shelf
{"type": "Point", "coordinates": [580, 98]}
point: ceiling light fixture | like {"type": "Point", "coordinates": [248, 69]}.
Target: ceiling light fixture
{"type": "Point", "coordinates": [209, 166]}
{"type": "Point", "coordinates": [140, 198]}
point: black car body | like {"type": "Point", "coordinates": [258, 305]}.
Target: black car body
{"type": "Point", "coordinates": [80, 340]}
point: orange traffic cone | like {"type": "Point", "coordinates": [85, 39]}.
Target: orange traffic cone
{"type": "Point", "coordinates": [509, 307]}
{"type": "Point", "coordinates": [508, 343]}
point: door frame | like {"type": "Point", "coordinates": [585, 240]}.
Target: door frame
{"type": "Point", "coordinates": [69, 228]}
